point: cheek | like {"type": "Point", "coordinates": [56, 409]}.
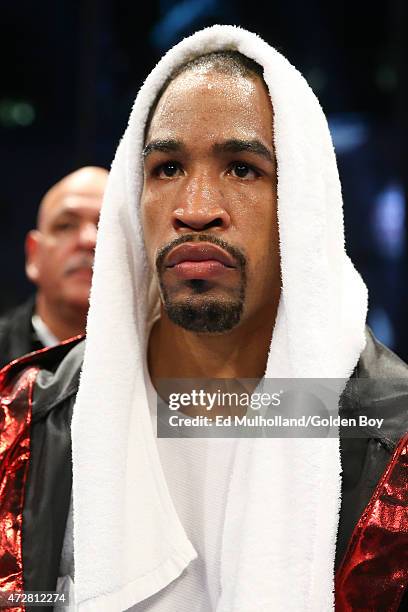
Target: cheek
{"type": "Point", "coordinates": [255, 216]}
{"type": "Point", "coordinates": [256, 228]}
{"type": "Point", "coordinates": [150, 218]}
{"type": "Point", "coordinates": [153, 220]}
{"type": "Point", "coordinates": [55, 257]}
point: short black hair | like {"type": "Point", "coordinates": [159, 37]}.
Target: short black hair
{"type": "Point", "coordinates": [228, 62]}
{"type": "Point", "coordinates": [232, 63]}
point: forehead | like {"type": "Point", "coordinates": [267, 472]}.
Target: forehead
{"type": "Point", "coordinates": [204, 104]}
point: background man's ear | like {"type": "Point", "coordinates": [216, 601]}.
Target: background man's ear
{"type": "Point", "coordinates": [31, 254]}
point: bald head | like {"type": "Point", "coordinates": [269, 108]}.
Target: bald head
{"type": "Point", "coordinates": [89, 182]}
{"type": "Point", "coordinates": [60, 252]}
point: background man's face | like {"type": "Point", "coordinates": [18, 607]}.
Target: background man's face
{"type": "Point", "coordinates": [209, 204]}
{"type": "Point", "coordinates": [60, 253]}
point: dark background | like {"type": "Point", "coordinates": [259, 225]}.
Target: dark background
{"type": "Point", "coordinates": [70, 71]}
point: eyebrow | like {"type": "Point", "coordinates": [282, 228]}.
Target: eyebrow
{"type": "Point", "coordinates": [234, 145]}
{"type": "Point", "coordinates": [162, 146]}
{"type": "Point", "coordinates": [252, 146]}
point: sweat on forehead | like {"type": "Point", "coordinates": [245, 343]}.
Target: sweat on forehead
{"type": "Point", "coordinates": [228, 62]}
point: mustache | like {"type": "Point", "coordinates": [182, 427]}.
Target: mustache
{"type": "Point", "coordinates": [76, 262]}
{"type": "Point", "coordinates": [237, 254]}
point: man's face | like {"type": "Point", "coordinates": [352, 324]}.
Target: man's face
{"type": "Point", "coordinates": [209, 204]}
{"type": "Point", "coordinates": [60, 253]}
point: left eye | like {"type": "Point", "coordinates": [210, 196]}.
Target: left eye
{"type": "Point", "coordinates": [243, 171]}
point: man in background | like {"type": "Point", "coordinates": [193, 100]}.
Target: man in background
{"type": "Point", "coordinates": [59, 260]}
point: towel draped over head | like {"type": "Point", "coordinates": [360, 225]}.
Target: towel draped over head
{"type": "Point", "coordinates": [284, 496]}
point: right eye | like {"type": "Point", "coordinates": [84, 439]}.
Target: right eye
{"type": "Point", "coordinates": [169, 169]}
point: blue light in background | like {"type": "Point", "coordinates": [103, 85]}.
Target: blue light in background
{"type": "Point", "coordinates": [348, 132]}
{"type": "Point", "coordinates": [181, 17]}
{"type": "Point", "coordinates": [381, 324]}
{"type": "Point", "coordinates": [389, 221]}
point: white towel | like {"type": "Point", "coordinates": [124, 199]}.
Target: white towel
{"type": "Point", "coordinates": [282, 512]}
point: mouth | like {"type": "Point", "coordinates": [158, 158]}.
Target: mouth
{"type": "Point", "coordinates": [199, 261]}
{"type": "Point", "coordinates": [80, 271]}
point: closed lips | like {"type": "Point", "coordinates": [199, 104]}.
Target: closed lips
{"type": "Point", "coordinates": [199, 252]}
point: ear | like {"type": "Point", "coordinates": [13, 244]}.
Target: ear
{"type": "Point", "coordinates": [32, 244]}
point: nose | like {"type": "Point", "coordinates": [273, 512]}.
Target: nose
{"type": "Point", "coordinates": [201, 208]}
{"type": "Point", "coordinates": [87, 235]}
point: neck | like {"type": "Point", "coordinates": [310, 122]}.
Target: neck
{"type": "Point", "coordinates": [63, 320]}
{"type": "Point", "coordinates": [239, 353]}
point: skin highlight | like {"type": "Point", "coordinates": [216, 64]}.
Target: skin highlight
{"type": "Point", "coordinates": [60, 252]}
{"type": "Point", "coordinates": [210, 171]}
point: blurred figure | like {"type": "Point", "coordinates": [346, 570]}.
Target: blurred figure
{"type": "Point", "coordinates": [59, 260]}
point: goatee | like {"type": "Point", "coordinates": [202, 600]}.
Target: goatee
{"type": "Point", "coordinates": [199, 312]}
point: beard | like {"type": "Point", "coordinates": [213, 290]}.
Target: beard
{"type": "Point", "coordinates": [201, 311]}
{"type": "Point", "coordinates": [207, 315]}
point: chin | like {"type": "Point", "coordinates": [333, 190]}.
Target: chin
{"type": "Point", "coordinates": [207, 316]}
{"type": "Point", "coordinates": [79, 300]}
